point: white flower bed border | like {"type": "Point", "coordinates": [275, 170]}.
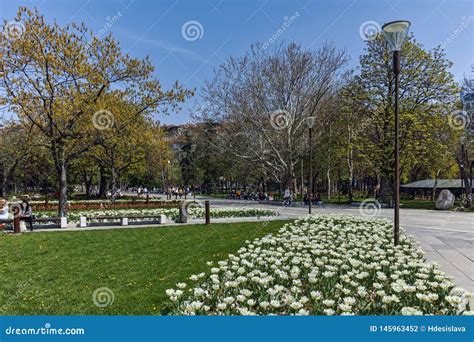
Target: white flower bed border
{"type": "Point", "coordinates": [170, 213]}
{"type": "Point", "coordinates": [323, 265]}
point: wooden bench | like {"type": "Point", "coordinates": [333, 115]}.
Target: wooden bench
{"type": "Point", "coordinates": [124, 221]}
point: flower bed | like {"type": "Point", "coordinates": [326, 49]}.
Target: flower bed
{"type": "Point", "coordinates": [323, 265]}
{"type": "Point", "coordinates": [172, 213]}
{"type": "Point", "coordinates": [103, 204]}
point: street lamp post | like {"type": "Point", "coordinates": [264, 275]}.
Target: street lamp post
{"type": "Point", "coordinates": [168, 193]}
{"type": "Point", "coordinates": [310, 122]}
{"type": "Point", "coordinates": [193, 150]}
{"type": "Point", "coordinates": [470, 178]}
{"type": "Point", "coordinates": [395, 34]}
{"type": "Point", "coordinates": [463, 185]}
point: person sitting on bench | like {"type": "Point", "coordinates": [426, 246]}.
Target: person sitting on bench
{"type": "Point", "coordinates": [3, 212]}
{"type": "Point", "coordinates": [26, 212]}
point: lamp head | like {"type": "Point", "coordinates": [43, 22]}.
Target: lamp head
{"type": "Point", "coordinates": [395, 33]}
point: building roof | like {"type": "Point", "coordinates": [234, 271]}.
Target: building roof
{"type": "Point", "coordinates": [429, 184]}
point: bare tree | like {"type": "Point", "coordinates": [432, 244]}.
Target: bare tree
{"type": "Point", "coordinates": [260, 101]}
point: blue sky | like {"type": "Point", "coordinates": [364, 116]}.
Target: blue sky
{"type": "Point", "coordinates": [154, 28]}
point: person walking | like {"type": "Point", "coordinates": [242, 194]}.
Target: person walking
{"type": "Point", "coordinates": [287, 197]}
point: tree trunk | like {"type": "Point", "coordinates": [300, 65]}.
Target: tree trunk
{"type": "Point", "coordinates": [328, 176]}
{"type": "Point", "coordinates": [351, 174]}
{"type": "Point", "coordinates": [113, 180]}
{"type": "Point", "coordinates": [104, 180]}
{"type": "Point", "coordinates": [467, 190]}
{"type": "Point", "coordinates": [384, 188]}
{"type": "Point", "coordinates": [435, 186]}
{"type": "Point", "coordinates": [88, 185]}
{"type": "Point", "coordinates": [62, 172]}
{"type": "Point", "coordinates": [4, 183]}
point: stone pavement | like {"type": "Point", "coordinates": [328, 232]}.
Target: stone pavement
{"type": "Point", "coordinates": [446, 237]}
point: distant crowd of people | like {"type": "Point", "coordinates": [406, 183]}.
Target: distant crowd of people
{"type": "Point", "coordinates": [250, 195]}
{"type": "Point", "coordinates": [177, 191]}
{"type": "Point", "coordinates": [288, 196]}
{"type": "Point", "coordinates": [315, 198]}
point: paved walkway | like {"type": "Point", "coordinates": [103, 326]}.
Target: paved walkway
{"type": "Point", "coordinates": [446, 237]}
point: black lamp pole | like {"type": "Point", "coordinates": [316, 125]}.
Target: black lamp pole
{"type": "Point", "coordinates": [310, 190]}
{"type": "Point", "coordinates": [463, 185]}
{"type": "Point", "coordinates": [396, 71]}
{"type": "Point", "coordinates": [395, 34]}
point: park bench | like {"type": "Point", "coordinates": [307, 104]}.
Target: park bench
{"type": "Point", "coordinates": [124, 221]}
{"type": "Point", "coordinates": [15, 222]}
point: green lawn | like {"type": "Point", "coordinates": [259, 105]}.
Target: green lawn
{"type": "Point", "coordinates": [56, 273]}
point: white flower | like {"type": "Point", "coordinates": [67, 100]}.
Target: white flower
{"type": "Point", "coordinates": [296, 305]}
{"type": "Point", "coordinates": [344, 307]}
{"type": "Point", "coordinates": [352, 256]}
{"type": "Point", "coordinates": [194, 306]}
{"type": "Point", "coordinates": [329, 312]}
{"type": "Point", "coordinates": [303, 312]}
{"type": "Point", "coordinates": [275, 303]}
{"type": "Point", "coordinates": [328, 302]}
{"type": "Point", "coordinates": [409, 311]}
{"type": "Point", "coordinates": [349, 300]}
{"type": "Point", "coordinates": [453, 300]}
{"type": "Point", "coordinates": [229, 300]}
{"type": "Point", "coordinates": [181, 285]}
{"type": "Point", "coordinates": [246, 292]}
{"type": "Point", "coordinates": [245, 312]}
{"type": "Point", "coordinates": [390, 299]}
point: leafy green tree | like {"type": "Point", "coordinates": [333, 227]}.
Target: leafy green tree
{"type": "Point", "coordinates": [427, 92]}
{"type": "Point", "coordinates": [56, 75]}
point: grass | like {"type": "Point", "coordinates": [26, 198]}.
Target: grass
{"type": "Point", "coordinates": [56, 273]}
